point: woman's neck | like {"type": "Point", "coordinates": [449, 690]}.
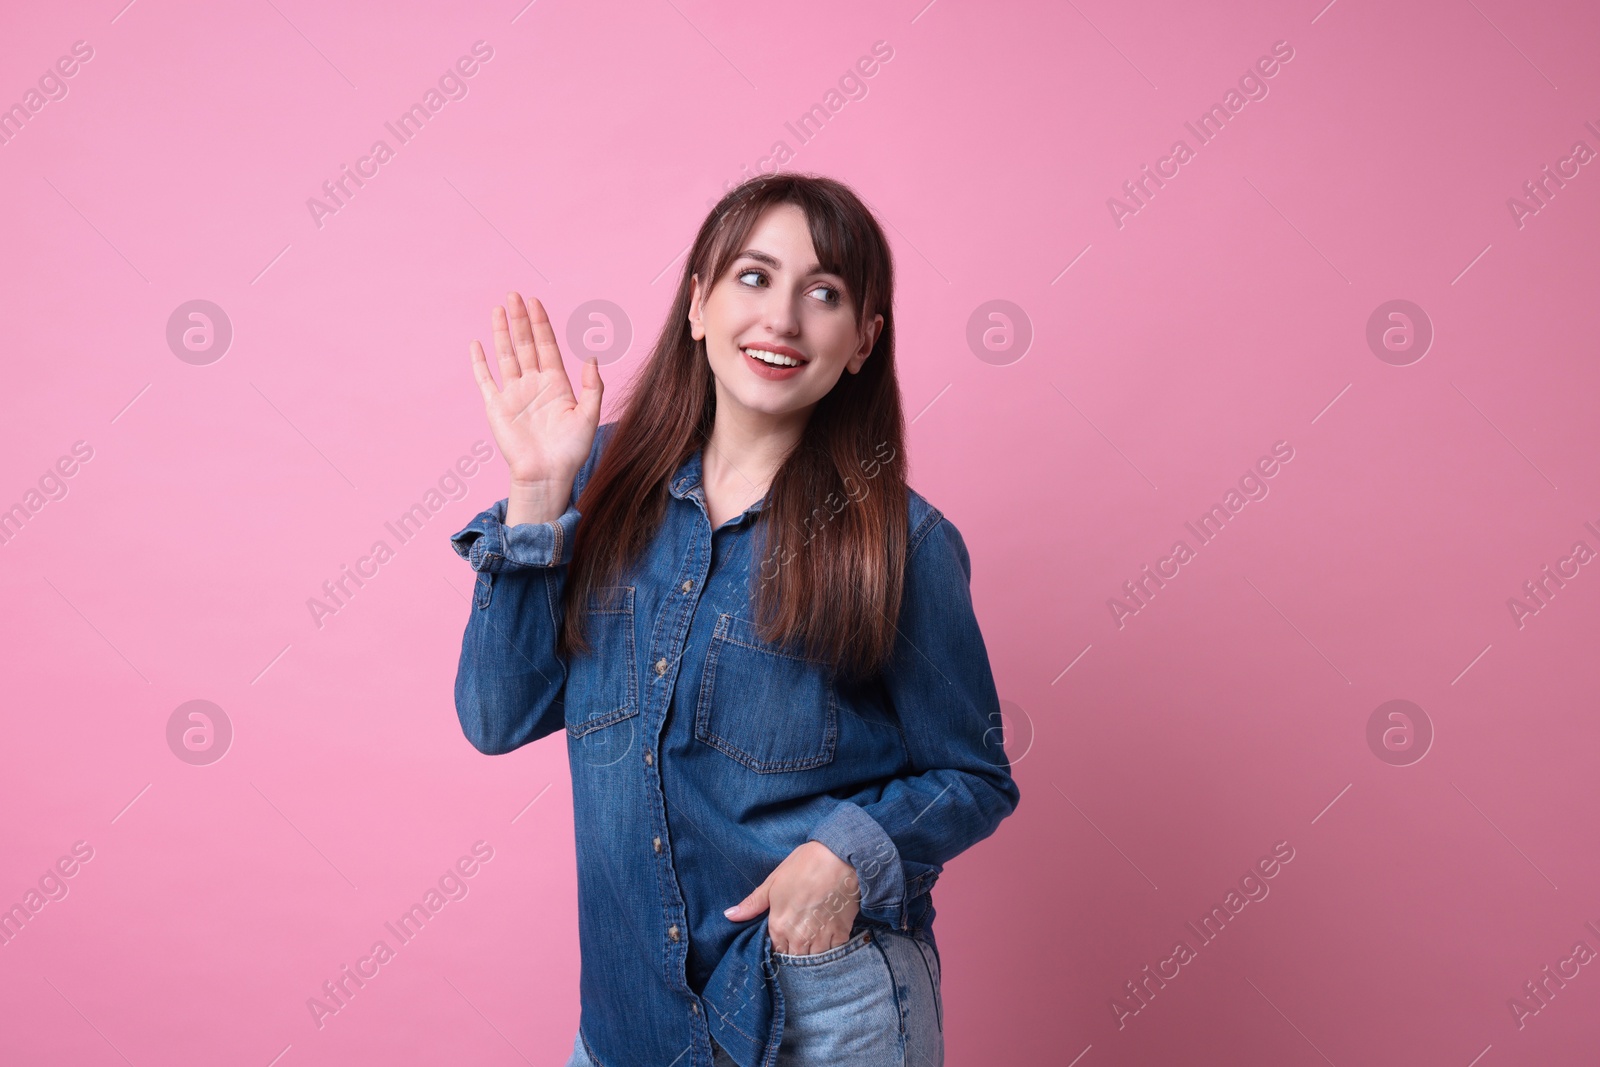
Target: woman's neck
{"type": "Point", "coordinates": [741, 458]}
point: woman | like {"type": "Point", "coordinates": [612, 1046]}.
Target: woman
{"type": "Point", "coordinates": [759, 640]}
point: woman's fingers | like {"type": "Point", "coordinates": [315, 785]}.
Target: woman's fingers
{"type": "Point", "coordinates": [751, 906]}
{"type": "Point", "coordinates": [480, 372]}
{"type": "Point", "coordinates": [502, 344]}
{"type": "Point", "coordinates": [544, 339]}
{"type": "Point", "coordinates": [529, 355]}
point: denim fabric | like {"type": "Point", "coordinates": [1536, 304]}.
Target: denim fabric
{"type": "Point", "coordinates": [701, 756]}
{"type": "Point", "coordinates": [872, 1002]}
{"type": "Point", "coordinates": [853, 1006]}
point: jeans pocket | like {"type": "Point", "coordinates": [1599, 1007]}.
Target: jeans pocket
{"type": "Point", "coordinates": [842, 1006]}
{"type": "Point", "coordinates": [826, 956]}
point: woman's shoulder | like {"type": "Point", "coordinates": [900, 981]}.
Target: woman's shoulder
{"type": "Point", "coordinates": [921, 518]}
{"type": "Point", "coordinates": [932, 541]}
{"type": "Point", "coordinates": [938, 568]}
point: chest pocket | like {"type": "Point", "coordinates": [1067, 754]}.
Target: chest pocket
{"type": "Point", "coordinates": [603, 684]}
{"type": "Point", "coordinates": [765, 707]}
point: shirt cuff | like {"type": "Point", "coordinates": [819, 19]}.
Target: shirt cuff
{"type": "Point", "coordinates": [490, 545]}
{"type": "Point", "coordinates": [855, 837]}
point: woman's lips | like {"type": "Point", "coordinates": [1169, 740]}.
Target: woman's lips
{"type": "Point", "coordinates": [770, 371]}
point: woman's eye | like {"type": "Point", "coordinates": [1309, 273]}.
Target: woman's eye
{"type": "Point", "coordinates": [833, 298]}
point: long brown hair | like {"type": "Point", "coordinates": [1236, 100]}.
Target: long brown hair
{"type": "Point", "coordinates": [828, 565]}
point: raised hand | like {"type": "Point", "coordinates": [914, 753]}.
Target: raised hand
{"type": "Point", "coordinates": [543, 430]}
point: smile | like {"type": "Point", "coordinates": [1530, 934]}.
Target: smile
{"type": "Point", "coordinates": [772, 358]}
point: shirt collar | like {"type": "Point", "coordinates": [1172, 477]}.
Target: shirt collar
{"type": "Point", "coordinates": [685, 483]}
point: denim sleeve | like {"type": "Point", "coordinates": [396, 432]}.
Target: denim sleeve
{"type": "Point", "coordinates": [944, 696]}
{"type": "Point", "coordinates": [509, 681]}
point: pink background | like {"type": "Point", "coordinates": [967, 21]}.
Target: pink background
{"type": "Point", "coordinates": [1228, 314]}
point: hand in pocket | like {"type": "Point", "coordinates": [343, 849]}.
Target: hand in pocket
{"type": "Point", "coordinates": [812, 898]}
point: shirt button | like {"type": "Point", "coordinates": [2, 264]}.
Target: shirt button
{"type": "Point", "coordinates": [661, 665]}
{"type": "Point", "coordinates": [657, 842]}
{"type": "Point", "coordinates": [648, 758]}
{"type": "Point", "coordinates": [672, 931]}
{"type": "Point", "coordinates": [695, 1008]}
{"type": "Point", "coordinates": [686, 587]}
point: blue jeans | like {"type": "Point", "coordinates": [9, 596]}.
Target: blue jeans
{"type": "Point", "coordinates": [873, 1001]}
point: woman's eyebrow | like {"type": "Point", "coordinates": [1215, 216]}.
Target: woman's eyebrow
{"type": "Point", "coordinates": [773, 261]}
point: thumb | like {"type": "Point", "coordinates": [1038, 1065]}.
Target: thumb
{"type": "Point", "coordinates": [754, 904]}
{"type": "Point", "coordinates": [593, 388]}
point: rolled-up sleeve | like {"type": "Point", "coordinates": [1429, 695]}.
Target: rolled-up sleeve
{"type": "Point", "coordinates": [490, 545]}
{"type": "Point", "coordinates": [943, 693]}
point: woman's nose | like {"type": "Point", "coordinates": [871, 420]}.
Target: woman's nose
{"type": "Point", "coordinates": [780, 316]}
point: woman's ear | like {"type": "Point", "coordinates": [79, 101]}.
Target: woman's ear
{"type": "Point", "coordinates": [869, 337]}
{"type": "Point", "coordinates": [697, 328]}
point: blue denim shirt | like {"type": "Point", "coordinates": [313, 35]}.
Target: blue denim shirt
{"type": "Point", "coordinates": [702, 756]}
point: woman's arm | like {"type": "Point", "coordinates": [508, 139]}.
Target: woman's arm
{"type": "Point", "coordinates": [509, 682]}
{"type": "Point", "coordinates": [943, 694]}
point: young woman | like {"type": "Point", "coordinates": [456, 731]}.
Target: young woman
{"type": "Point", "coordinates": [760, 642]}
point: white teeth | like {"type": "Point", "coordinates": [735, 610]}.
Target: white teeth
{"type": "Point", "coordinates": [770, 357]}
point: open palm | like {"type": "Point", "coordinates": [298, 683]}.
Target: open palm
{"type": "Point", "coordinates": [543, 430]}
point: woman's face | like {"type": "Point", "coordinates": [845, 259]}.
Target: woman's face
{"type": "Point", "coordinates": [776, 299]}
